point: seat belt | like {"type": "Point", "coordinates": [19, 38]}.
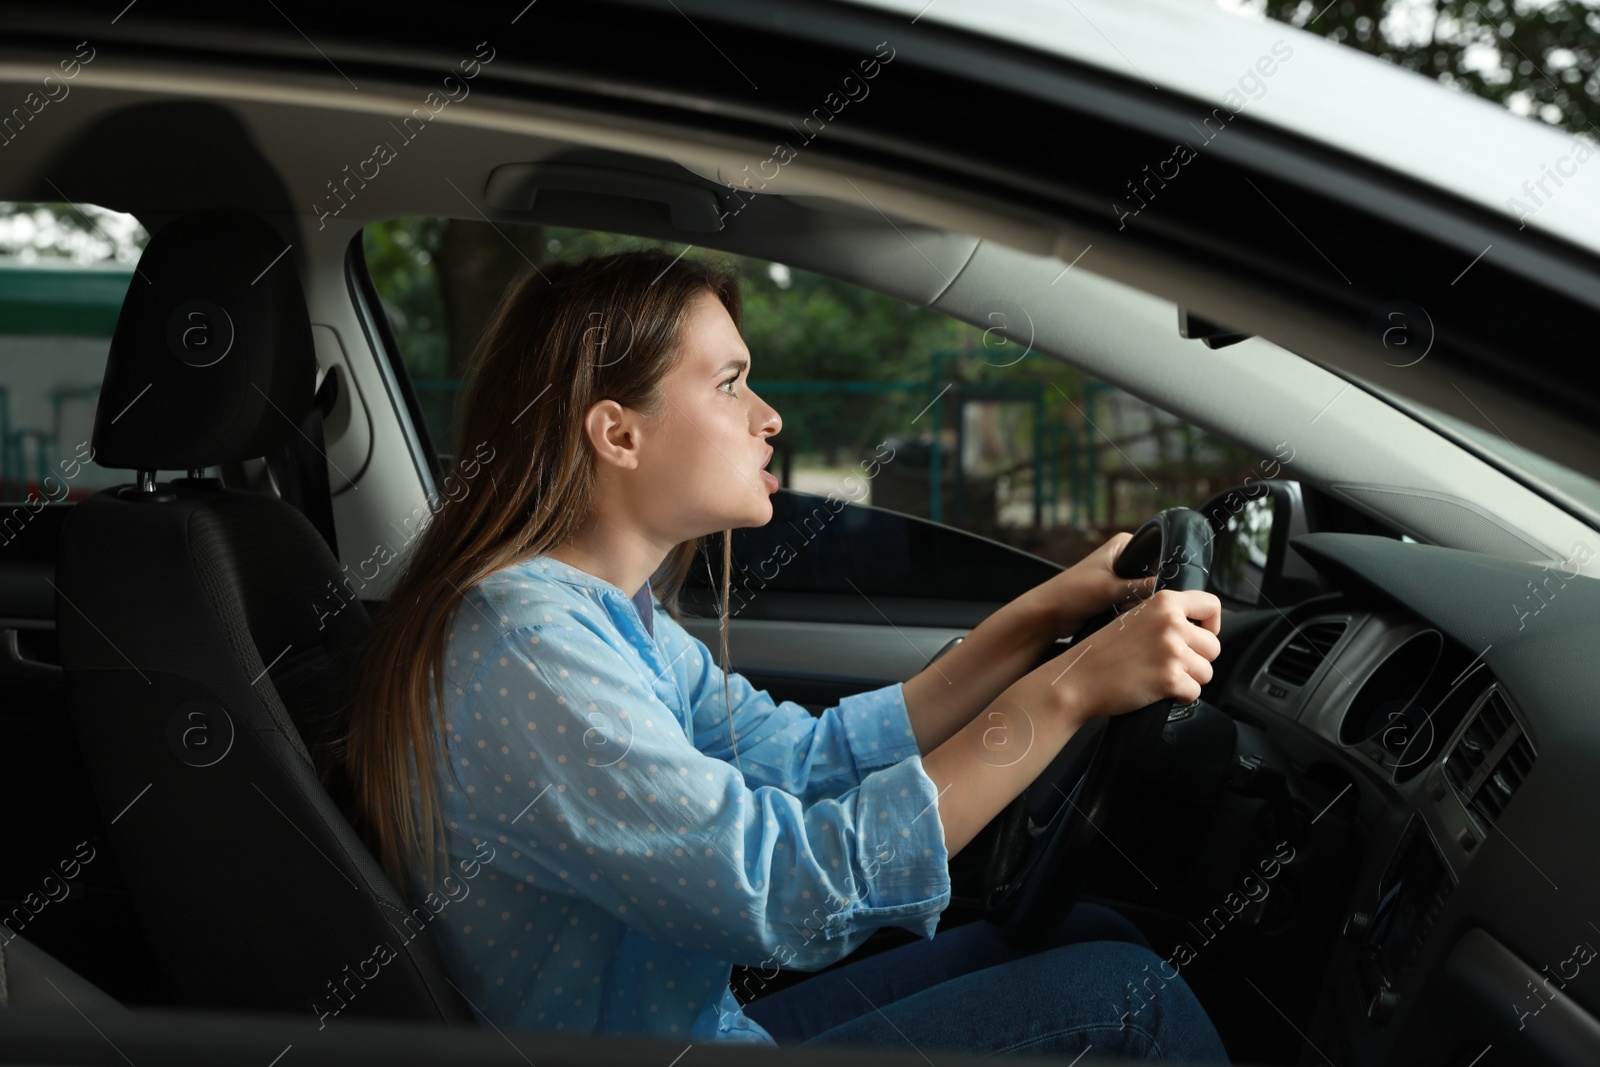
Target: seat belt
{"type": "Point", "coordinates": [300, 466]}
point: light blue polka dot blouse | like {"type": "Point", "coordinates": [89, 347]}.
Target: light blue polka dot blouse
{"type": "Point", "coordinates": [617, 840]}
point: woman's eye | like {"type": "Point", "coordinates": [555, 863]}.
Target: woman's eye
{"type": "Point", "coordinates": [730, 381]}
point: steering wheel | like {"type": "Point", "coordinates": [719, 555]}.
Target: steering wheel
{"type": "Point", "coordinates": [1036, 874]}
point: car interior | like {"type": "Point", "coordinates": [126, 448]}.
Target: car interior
{"type": "Point", "coordinates": [1363, 845]}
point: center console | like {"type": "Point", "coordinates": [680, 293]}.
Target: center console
{"type": "Point", "coordinates": [1411, 895]}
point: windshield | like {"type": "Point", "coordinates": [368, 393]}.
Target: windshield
{"type": "Point", "coordinates": [1559, 483]}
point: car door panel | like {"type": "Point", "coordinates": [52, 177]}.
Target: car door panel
{"type": "Point", "coordinates": [818, 664]}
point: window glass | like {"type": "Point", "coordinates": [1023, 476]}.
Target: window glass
{"type": "Point", "coordinates": [1542, 471]}
{"type": "Point", "coordinates": [64, 269]}
{"type": "Point", "coordinates": [884, 404]}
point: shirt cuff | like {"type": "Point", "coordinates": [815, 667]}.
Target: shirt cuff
{"type": "Point", "coordinates": [900, 852]}
{"type": "Point", "coordinates": [877, 727]}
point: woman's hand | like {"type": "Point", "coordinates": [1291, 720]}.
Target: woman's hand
{"type": "Point", "coordinates": [1150, 652]}
{"type": "Point", "coordinates": [1085, 589]}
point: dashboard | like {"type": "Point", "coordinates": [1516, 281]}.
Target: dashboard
{"type": "Point", "coordinates": [1454, 695]}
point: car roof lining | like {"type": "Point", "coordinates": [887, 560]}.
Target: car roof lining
{"type": "Point", "coordinates": [908, 260]}
{"type": "Point", "coordinates": [882, 232]}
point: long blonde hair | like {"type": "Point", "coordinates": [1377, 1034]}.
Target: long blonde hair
{"type": "Point", "coordinates": [563, 338]}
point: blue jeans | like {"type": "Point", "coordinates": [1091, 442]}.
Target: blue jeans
{"type": "Point", "coordinates": [1095, 985]}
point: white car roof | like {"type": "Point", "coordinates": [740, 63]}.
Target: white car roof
{"type": "Point", "coordinates": [1326, 91]}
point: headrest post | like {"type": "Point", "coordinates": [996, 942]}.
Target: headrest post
{"type": "Point", "coordinates": [147, 481]}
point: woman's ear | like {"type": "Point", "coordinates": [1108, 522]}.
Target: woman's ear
{"type": "Point", "coordinates": [613, 430]}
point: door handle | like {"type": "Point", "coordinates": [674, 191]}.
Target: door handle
{"type": "Point", "coordinates": [15, 663]}
{"type": "Point", "coordinates": [948, 645]}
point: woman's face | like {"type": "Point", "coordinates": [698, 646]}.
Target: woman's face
{"type": "Point", "coordinates": [707, 447]}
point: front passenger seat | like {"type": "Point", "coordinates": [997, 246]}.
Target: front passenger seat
{"type": "Point", "coordinates": [204, 664]}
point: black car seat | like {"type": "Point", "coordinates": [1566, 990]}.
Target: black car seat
{"type": "Point", "coordinates": [31, 978]}
{"type": "Point", "coordinates": [208, 644]}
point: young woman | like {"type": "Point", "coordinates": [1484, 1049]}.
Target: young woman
{"type": "Point", "coordinates": [617, 820]}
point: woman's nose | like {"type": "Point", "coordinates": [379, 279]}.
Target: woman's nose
{"type": "Point", "coordinates": [768, 416]}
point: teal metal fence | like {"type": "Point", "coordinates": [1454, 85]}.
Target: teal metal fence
{"type": "Point", "coordinates": [48, 300]}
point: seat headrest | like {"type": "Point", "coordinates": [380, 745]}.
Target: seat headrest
{"type": "Point", "coordinates": [213, 359]}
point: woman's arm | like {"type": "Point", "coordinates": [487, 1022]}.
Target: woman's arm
{"type": "Point", "coordinates": [946, 695]}
{"type": "Point", "coordinates": [780, 743]}
{"type": "Point", "coordinates": [586, 783]}
{"type": "Point", "coordinates": [1150, 653]}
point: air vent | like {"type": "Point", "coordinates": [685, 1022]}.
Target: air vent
{"type": "Point", "coordinates": [1305, 650]}
{"type": "Point", "coordinates": [1491, 759]}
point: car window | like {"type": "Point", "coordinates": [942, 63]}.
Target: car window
{"type": "Point", "coordinates": [1029, 453]}
{"type": "Point", "coordinates": [64, 270]}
